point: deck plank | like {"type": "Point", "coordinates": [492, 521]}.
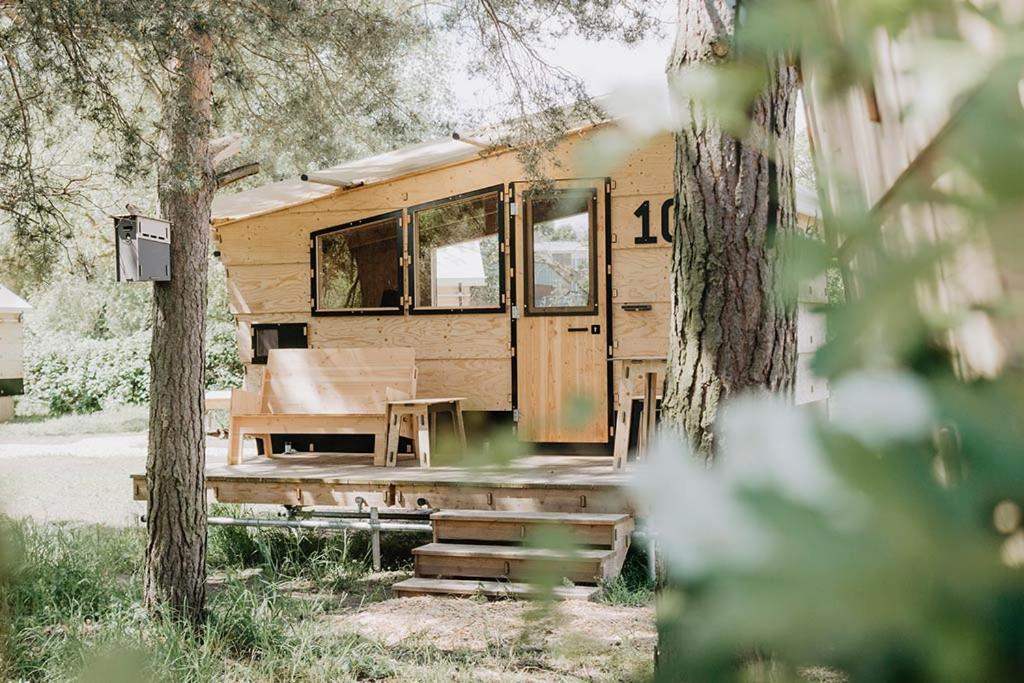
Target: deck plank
{"type": "Point", "coordinates": [542, 483]}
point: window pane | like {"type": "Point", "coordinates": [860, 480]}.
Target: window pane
{"type": "Point", "coordinates": [561, 276]}
{"type": "Point", "coordinates": [358, 267]}
{"type": "Point", "coordinates": [457, 255]}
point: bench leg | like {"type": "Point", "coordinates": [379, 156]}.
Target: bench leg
{"type": "Point", "coordinates": [268, 445]}
{"type": "Point", "coordinates": [460, 424]}
{"type": "Point", "coordinates": [650, 412]}
{"type": "Point", "coordinates": [422, 438]}
{"type": "Point", "coordinates": [621, 436]}
{"type": "Point", "coordinates": [394, 432]}
{"type": "Point", "coordinates": [380, 453]}
{"type": "Point", "coordinates": [234, 443]}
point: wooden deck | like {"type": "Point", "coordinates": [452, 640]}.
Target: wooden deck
{"type": "Point", "coordinates": [542, 483]}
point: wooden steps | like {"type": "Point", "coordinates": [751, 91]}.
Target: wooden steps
{"type": "Point", "coordinates": [490, 589]}
{"type": "Point", "coordinates": [513, 527]}
{"type": "Point", "coordinates": [497, 553]}
{"type": "Point", "coordinates": [515, 563]}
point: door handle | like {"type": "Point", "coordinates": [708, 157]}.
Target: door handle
{"type": "Point", "coordinates": [592, 329]}
{"type": "Point", "coordinates": [578, 329]}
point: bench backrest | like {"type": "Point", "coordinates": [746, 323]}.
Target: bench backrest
{"type": "Point", "coordinates": [336, 381]}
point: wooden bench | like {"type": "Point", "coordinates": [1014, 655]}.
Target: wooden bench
{"type": "Point", "coordinates": [323, 391]}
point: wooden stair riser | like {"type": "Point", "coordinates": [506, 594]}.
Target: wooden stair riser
{"type": "Point", "coordinates": [586, 535]}
{"type": "Point", "coordinates": [575, 570]}
{"type": "Point", "coordinates": [490, 589]}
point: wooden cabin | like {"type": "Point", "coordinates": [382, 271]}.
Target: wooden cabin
{"type": "Point", "coordinates": [527, 300]}
{"type": "Point", "coordinates": [521, 298]}
{"type": "Point", "coordinates": [12, 334]}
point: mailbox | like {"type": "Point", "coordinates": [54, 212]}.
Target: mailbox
{"type": "Point", "coordinates": [143, 247]}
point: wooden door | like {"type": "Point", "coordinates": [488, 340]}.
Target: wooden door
{"type": "Point", "coordinates": [560, 310]}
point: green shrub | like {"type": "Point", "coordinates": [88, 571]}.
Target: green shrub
{"type": "Point", "coordinates": [65, 373]}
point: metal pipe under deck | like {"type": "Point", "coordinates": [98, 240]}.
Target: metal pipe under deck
{"type": "Point", "coordinates": [334, 524]}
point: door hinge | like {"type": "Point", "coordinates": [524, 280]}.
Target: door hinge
{"type": "Point", "coordinates": [515, 414]}
{"type": "Point", "coordinates": [515, 312]}
{"type": "Point", "coordinates": [513, 209]}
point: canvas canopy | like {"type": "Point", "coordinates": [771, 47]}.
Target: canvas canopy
{"type": "Point", "coordinates": [416, 158]}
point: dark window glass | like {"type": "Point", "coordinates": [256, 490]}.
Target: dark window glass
{"type": "Point", "coordinates": [277, 336]}
{"type": "Point", "coordinates": [357, 267]}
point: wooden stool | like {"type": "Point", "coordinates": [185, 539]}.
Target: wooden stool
{"type": "Point", "coordinates": [423, 412]}
{"type": "Point", "coordinates": [647, 368]}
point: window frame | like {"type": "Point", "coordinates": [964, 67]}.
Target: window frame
{"type": "Point", "coordinates": [397, 216]}
{"type": "Point", "coordinates": [412, 240]}
{"type": "Point", "coordinates": [529, 307]}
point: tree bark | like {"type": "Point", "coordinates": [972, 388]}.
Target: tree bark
{"type": "Point", "coordinates": [175, 580]}
{"type": "Point", "coordinates": [731, 329]}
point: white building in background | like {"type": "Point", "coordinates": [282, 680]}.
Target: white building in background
{"type": "Point", "coordinates": [12, 333]}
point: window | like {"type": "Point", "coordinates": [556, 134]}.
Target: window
{"type": "Point", "coordinates": [357, 267]}
{"type": "Point", "coordinates": [561, 254]}
{"type": "Point", "coordinates": [276, 336]}
{"type": "Point", "coordinates": [458, 258]}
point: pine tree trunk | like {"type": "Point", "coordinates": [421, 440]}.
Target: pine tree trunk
{"type": "Point", "coordinates": [175, 581]}
{"type": "Point", "coordinates": [731, 330]}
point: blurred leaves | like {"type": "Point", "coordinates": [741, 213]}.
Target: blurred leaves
{"type": "Point", "coordinates": [896, 571]}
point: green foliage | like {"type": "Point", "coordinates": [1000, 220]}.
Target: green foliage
{"type": "Point", "coordinates": [68, 374]}
{"type": "Point", "coordinates": [332, 560]}
{"type": "Point", "coordinates": [634, 586]}
{"type": "Point", "coordinates": [883, 540]}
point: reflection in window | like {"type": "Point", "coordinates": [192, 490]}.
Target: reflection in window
{"type": "Point", "coordinates": [357, 267]}
{"type": "Point", "coordinates": [457, 254]}
{"type": "Point", "coordinates": [561, 275]}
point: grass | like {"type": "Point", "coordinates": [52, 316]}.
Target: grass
{"type": "Point", "coordinates": [116, 420]}
{"type": "Point", "coordinates": [73, 597]}
{"type": "Point", "coordinates": [633, 587]}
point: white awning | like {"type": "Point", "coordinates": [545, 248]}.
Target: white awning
{"type": "Point", "coordinates": [381, 168]}
{"type": "Point", "coordinates": [375, 169]}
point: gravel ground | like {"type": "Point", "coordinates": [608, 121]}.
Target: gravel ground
{"type": "Point", "coordinates": [82, 479]}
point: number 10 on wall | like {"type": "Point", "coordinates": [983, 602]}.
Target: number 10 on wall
{"type": "Point", "coordinates": [643, 212]}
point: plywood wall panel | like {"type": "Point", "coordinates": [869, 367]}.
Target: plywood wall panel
{"type": "Point", "coordinates": [485, 383]}
{"type": "Point", "coordinates": [641, 333]}
{"type": "Point", "coordinates": [648, 171]}
{"type": "Point", "coordinates": [461, 336]}
{"type": "Point", "coordinates": [627, 227]}
{"type": "Point", "coordinates": [641, 275]}
{"type": "Point", "coordinates": [272, 288]}
{"type": "Point", "coordinates": [278, 238]}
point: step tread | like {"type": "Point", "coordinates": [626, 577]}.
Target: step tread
{"type": "Point", "coordinates": [494, 589]}
{"type": "Point", "coordinates": [511, 552]}
{"type": "Point", "coordinates": [511, 516]}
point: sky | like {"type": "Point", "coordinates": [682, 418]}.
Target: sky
{"type": "Point", "coordinates": [631, 77]}
{"type": "Point", "coordinates": [605, 67]}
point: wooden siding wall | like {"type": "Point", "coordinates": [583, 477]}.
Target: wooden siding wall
{"type": "Point", "coordinates": [267, 260]}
